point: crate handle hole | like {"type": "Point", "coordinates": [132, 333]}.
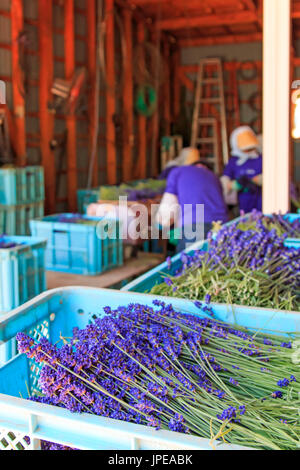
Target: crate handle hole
{"type": "Point", "coordinates": [80, 311]}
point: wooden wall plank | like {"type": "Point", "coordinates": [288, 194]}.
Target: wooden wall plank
{"type": "Point", "coordinates": [220, 40]}
{"type": "Point", "coordinates": [110, 94]}
{"type": "Point", "coordinates": [142, 121]}
{"type": "Point", "coordinates": [167, 88]}
{"type": "Point", "coordinates": [69, 39]}
{"type": "Point", "coordinates": [46, 118]}
{"type": "Point", "coordinates": [17, 25]}
{"type": "Point", "coordinates": [91, 14]}
{"type": "Point", "coordinates": [176, 84]}
{"type": "Point", "coordinates": [154, 121]}
{"type": "Point", "coordinates": [128, 124]}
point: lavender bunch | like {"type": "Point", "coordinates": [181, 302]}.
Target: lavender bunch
{"type": "Point", "coordinates": [277, 222]}
{"type": "Point", "coordinates": [169, 370]}
{"type": "Point", "coordinates": [246, 267]}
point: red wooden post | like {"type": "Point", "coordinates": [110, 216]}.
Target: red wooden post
{"type": "Point", "coordinates": [46, 118]}
{"type": "Point", "coordinates": [176, 84]}
{"type": "Point", "coordinates": [69, 37]}
{"type": "Point", "coordinates": [167, 85]}
{"type": "Point", "coordinates": [155, 38]}
{"type": "Point", "coordinates": [223, 39]}
{"type": "Point", "coordinates": [142, 142]}
{"type": "Point", "coordinates": [17, 24]}
{"type": "Point", "coordinates": [128, 131]}
{"type": "Point", "coordinates": [92, 64]}
{"type": "Point", "coordinates": [110, 94]}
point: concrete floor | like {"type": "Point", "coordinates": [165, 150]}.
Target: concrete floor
{"type": "Point", "coordinates": [131, 269]}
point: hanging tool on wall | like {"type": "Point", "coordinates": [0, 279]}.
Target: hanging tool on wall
{"type": "Point", "coordinates": [210, 106]}
{"type": "Point", "coordinates": [68, 93]}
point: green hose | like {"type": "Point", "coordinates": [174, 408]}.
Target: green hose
{"type": "Point", "coordinates": [146, 100]}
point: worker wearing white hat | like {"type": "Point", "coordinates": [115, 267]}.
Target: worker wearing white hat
{"type": "Point", "coordinates": [243, 174]}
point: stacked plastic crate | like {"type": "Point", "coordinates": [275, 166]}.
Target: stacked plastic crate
{"type": "Point", "coordinates": [22, 197]}
{"type": "Point", "coordinates": [22, 259]}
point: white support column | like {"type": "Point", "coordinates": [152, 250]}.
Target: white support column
{"type": "Point", "coordinates": [277, 105]}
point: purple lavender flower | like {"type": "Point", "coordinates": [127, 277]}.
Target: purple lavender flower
{"type": "Point", "coordinates": [277, 394]}
{"type": "Point", "coordinates": [168, 281]}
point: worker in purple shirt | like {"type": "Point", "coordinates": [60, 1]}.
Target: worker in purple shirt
{"type": "Point", "coordinates": [190, 187]}
{"type": "Point", "coordinates": [243, 173]}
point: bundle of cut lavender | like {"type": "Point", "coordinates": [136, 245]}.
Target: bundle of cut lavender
{"type": "Point", "coordinates": [170, 370]}
{"type": "Point", "coordinates": [250, 267]}
{"type": "Point", "coordinates": [278, 222]}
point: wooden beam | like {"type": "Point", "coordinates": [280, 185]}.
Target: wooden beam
{"type": "Point", "coordinates": [167, 89]}
{"type": "Point", "coordinates": [110, 94]}
{"type": "Point", "coordinates": [186, 81]}
{"type": "Point", "coordinates": [91, 57]}
{"type": "Point", "coordinates": [142, 142]}
{"type": "Point", "coordinates": [179, 4]}
{"type": "Point", "coordinates": [17, 26]}
{"type": "Point", "coordinates": [277, 104]}
{"type": "Point", "coordinates": [216, 40]}
{"type": "Point", "coordinates": [243, 17]}
{"type": "Point", "coordinates": [128, 128]}
{"type": "Point", "coordinates": [250, 5]}
{"type": "Point", "coordinates": [227, 66]}
{"type": "Point", "coordinates": [46, 118]}
{"type": "Point", "coordinates": [69, 39]}
{"type": "Point", "coordinates": [176, 84]}
{"type": "Point", "coordinates": [155, 37]}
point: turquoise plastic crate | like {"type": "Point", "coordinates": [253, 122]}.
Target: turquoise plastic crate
{"type": "Point", "coordinates": [22, 185]}
{"type": "Point", "coordinates": [76, 247]}
{"type": "Point", "coordinates": [16, 219]}
{"type": "Point", "coordinates": [86, 197]}
{"type": "Point", "coordinates": [2, 220]}
{"type": "Point", "coordinates": [147, 281]}
{"type": "Point", "coordinates": [290, 242]}
{"type": "Point", "coordinates": [22, 271]}
{"type": "Point", "coordinates": [55, 313]}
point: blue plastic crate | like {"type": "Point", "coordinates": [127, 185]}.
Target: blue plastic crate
{"type": "Point", "coordinates": [22, 185]}
{"type": "Point", "coordinates": [86, 197]}
{"type": "Point", "coordinates": [76, 247]}
{"type": "Point", "coordinates": [22, 271]}
{"type": "Point", "coordinates": [147, 281]}
{"type": "Point", "coordinates": [55, 313]}
{"type": "Point", "coordinates": [17, 218]}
